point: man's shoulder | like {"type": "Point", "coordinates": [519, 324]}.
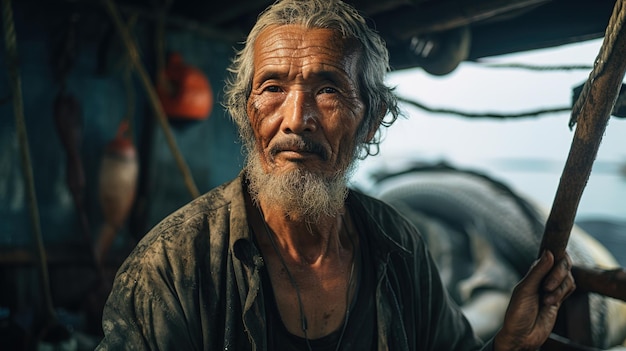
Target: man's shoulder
{"type": "Point", "coordinates": [212, 203]}
{"type": "Point", "coordinates": [191, 226]}
{"type": "Point", "coordinates": [375, 207]}
{"type": "Point", "coordinates": [392, 228]}
{"type": "Point", "coordinates": [365, 199]}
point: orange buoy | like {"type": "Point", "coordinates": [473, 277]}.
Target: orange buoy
{"type": "Point", "coordinates": [184, 91]}
{"type": "Point", "coordinates": [117, 187]}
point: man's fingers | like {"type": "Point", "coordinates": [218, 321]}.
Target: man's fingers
{"type": "Point", "coordinates": [560, 272]}
{"type": "Point", "coordinates": [538, 272]}
{"type": "Point", "coordinates": [561, 292]}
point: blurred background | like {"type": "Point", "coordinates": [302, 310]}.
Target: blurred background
{"type": "Point", "coordinates": [528, 153]}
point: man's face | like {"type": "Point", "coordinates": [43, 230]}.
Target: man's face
{"type": "Point", "coordinates": [305, 106]}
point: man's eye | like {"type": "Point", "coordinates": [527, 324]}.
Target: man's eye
{"type": "Point", "coordinates": [327, 90]}
{"type": "Point", "coordinates": [272, 89]}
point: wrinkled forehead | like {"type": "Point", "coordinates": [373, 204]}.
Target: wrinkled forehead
{"type": "Point", "coordinates": [297, 43]}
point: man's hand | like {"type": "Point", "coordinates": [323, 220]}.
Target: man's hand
{"type": "Point", "coordinates": [534, 304]}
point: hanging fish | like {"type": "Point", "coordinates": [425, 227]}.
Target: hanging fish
{"type": "Point", "coordinates": [117, 187]}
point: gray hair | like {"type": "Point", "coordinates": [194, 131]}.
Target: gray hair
{"type": "Point", "coordinates": [330, 14]}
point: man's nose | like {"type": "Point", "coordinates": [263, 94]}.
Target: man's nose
{"type": "Point", "coordinates": [299, 113]}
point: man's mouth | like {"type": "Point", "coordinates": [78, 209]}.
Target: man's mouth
{"type": "Point", "coordinates": [298, 147]}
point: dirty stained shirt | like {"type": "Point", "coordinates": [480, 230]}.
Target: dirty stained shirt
{"type": "Point", "coordinates": [194, 283]}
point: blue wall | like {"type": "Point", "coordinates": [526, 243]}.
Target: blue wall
{"type": "Point", "coordinates": [210, 147]}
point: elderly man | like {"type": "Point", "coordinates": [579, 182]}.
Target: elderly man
{"type": "Point", "coordinates": [285, 257]}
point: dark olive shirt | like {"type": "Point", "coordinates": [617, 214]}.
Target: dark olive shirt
{"type": "Point", "coordinates": [194, 283]}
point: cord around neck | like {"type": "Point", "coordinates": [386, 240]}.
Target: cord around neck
{"type": "Point", "coordinates": [303, 320]}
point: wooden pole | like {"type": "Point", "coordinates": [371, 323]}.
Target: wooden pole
{"type": "Point", "coordinates": [591, 111]}
{"type": "Point", "coordinates": [611, 283]}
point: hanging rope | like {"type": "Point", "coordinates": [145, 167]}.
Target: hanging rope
{"type": "Point", "coordinates": [133, 54]}
{"type": "Point", "coordinates": [10, 40]}
{"type": "Point", "coordinates": [159, 40]}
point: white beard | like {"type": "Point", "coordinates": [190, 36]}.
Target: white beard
{"type": "Point", "coordinates": [300, 194]}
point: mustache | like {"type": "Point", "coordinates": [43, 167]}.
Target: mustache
{"type": "Point", "coordinates": [298, 144]}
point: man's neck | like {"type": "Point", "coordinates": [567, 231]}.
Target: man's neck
{"type": "Point", "coordinates": [303, 240]}
{"type": "Point", "coordinates": [308, 263]}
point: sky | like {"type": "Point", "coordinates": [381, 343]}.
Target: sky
{"type": "Point", "coordinates": [528, 154]}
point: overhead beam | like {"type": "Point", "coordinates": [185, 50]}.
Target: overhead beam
{"type": "Point", "coordinates": [438, 16]}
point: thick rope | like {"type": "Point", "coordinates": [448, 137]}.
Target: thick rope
{"type": "Point", "coordinates": [539, 67]}
{"type": "Point", "coordinates": [493, 115]}
{"type": "Point", "coordinates": [613, 29]}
